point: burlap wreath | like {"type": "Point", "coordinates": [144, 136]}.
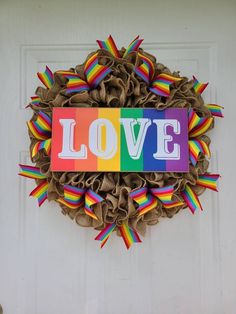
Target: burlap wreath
{"type": "Point", "coordinates": [121, 88]}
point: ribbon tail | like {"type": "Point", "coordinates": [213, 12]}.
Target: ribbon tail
{"type": "Point", "coordinates": [145, 201]}
{"type": "Point", "coordinates": [129, 235]}
{"type": "Point", "coordinates": [198, 87]}
{"type": "Point", "coordinates": [35, 101]}
{"type": "Point", "coordinates": [133, 46]}
{"type": "Point", "coordinates": [46, 77]}
{"type": "Point", "coordinates": [110, 46]}
{"type": "Point", "coordinates": [209, 181]}
{"type": "Point", "coordinates": [31, 172]}
{"type": "Point", "coordinates": [40, 192]}
{"type": "Point", "coordinates": [165, 195]}
{"type": "Point", "coordinates": [191, 199]}
{"type": "Point", "coordinates": [105, 234]}
{"type": "Point", "coordinates": [215, 110]}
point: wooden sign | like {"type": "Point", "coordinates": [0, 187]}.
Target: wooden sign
{"type": "Point", "coordinates": [119, 139]}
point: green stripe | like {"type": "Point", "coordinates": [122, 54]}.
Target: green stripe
{"type": "Point", "coordinates": [127, 163]}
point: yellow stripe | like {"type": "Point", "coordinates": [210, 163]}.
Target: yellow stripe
{"type": "Point", "coordinates": [113, 163]}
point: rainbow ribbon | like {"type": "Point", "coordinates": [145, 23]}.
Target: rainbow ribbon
{"type": "Point", "coordinates": [95, 72]}
{"type": "Point", "coordinates": [208, 180]}
{"type": "Point", "coordinates": [41, 129]}
{"type": "Point", "coordinates": [161, 84]}
{"type": "Point", "coordinates": [196, 147]}
{"type": "Point", "coordinates": [129, 235]}
{"type": "Point", "coordinates": [35, 100]}
{"type": "Point", "coordinates": [133, 46]}
{"type": "Point", "coordinates": [105, 233]}
{"type": "Point", "coordinates": [109, 45]}
{"type": "Point", "coordinates": [46, 145]}
{"type": "Point", "coordinates": [146, 69]}
{"type": "Point", "coordinates": [198, 87]}
{"type": "Point", "coordinates": [40, 192]}
{"type": "Point", "coordinates": [148, 201]}
{"type": "Point", "coordinates": [75, 83]}
{"type": "Point", "coordinates": [75, 197]}
{"type": "Point", "coordinates": [46, 77]}
{"type": "Point", "coordinates": [215, 110]}
{"type": "Point", "coordinates": [198, 126]}
{"type": "Point", "coordinates": [31, 172]}
{"type": "Point", "coordinates": [191, 199]}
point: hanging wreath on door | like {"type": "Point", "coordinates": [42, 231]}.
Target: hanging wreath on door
{"type": "Point", "coordinates": [119, 201]}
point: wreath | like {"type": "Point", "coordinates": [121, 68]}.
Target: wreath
{"type": "Point", "coordinates": [119, 201]}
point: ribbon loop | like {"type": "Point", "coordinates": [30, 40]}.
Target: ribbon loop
{"type": "Point", "coordinates": [146, 69]}
{"type": "Point", "coordinates": [198, 87]}
{"type": "Point", "coordinates": [196, 147]}
{"type": "Point", "coordinates": [161, 85]}
{"type": "Point", "coordinates": [133, 46]}
{"type": "Point", "coordinates": [75, 84]}
{"type": "Point", "coordinates": [198, 126]}
{"type": "Point", "coordinates": [75, 197]}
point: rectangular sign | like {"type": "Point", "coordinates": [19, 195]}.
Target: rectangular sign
{"type": "Point", "coordinates": [119, 139]}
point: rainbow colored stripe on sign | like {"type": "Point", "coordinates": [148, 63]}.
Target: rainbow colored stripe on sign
{"type": "Point", "coordinates": [120, 159]}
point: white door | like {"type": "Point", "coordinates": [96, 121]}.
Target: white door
{"type": "Point", "coordinates": [49, 265]}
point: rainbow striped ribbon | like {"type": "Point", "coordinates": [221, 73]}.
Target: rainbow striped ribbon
{"type": "Point", "coordinates": [75, 84]}
{"type": "Point", "coordinates": [31, 172]}
{"type": "Point", "coordinates": [46, 77]}
{"type": "Point", "coordinates": [41, 192]}
{"type": "Point", "coordinates": [148, 201]}
{"type": "Point", "coordinates": [95, 72]}
{"type": "Point", "coordinates": [129, 235]}
{"type": "Point", "coordinates": [41, 127]}
{"type": "Point", "coordinates": [215, 110]}
{"type": "Point", "coordinates": [109, 45]}
{"type": "Point", "coordinates": [198, 87]}
{"type": "Point", "coordinates": [196, 147]}
{"type": "Point", "coordinates": [35, 100]}
{"type": "Point", "coordinates": [146, 69]}
{"type": "Point", "coordinates": [161, 85]}
{"type": "Point", "coordinates": [46, 144]}
{"type": "Point", "coordinates": [75, 197]}
{"type": "Point", "coordinates": [208, 180]}
{"type": "Point", "coordinates": [105, 233]}
{"type": "Point", "coordinates": [191, 199]}
{"type": "Point", "coordinates": [133, 46]}
{"type": "Point", "coordinates": [198, 126]}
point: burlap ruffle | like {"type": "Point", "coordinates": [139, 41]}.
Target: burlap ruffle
{"type": "Point", "coordinates": [121, 88]}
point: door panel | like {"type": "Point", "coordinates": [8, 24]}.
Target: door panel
{"type": "Point", "coordinates": [50, 265]}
